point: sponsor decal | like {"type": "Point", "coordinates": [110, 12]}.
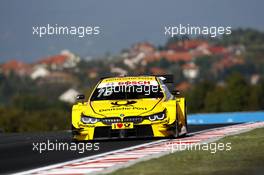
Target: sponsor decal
{"type": "Point", "coordinates": [128, 83]}
{"type": "Point", "coordinates": [118, 79]}
{"type": "Point", "coordinates": [123, 109]}
{"type": "Point", "coordinates": [135, 83]}
{"type": "Point", "coordinates": [122, 126]}
{"type": "Point", "coordinates": [122, 103]}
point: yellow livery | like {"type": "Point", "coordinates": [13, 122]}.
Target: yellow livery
{"type": "Point", "coordinates": [127, 107]}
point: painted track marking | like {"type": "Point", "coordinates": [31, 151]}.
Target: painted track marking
{"type": "Point", "coordinates": [110, 161]}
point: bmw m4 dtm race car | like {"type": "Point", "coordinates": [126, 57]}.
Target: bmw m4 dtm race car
{"type": "Point", "coordinates": [130, 106]}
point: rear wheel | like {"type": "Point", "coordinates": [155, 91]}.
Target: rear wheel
{"type": "Point", "coordinates": [186, 124]}
{"type": "Point", "coordinates": [176, 132]}
{"type": "Point", "coordinates": [184, 129]}
{"type": "Point", "coordinates": [180, 131]}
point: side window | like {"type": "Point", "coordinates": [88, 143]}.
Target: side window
{"type": "Point", "coordinates": [169, 96]}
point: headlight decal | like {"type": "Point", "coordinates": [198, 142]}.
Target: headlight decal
{"type": "Point", "coordinates": [89, 120]}
{"type": "Point", "coordinates": [160, 117]}
{"type": "Point", "coordinates": [152, 117]}
{"type": "Point", "coordinates": [155, 117]}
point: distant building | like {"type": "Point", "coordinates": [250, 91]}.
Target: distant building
{"type": "Point", "coordinates": [58, 77]}
{"type": "Point", "coordinates": [254, 79]}
{"type": "Point", "coordinates": [39, 72]}
{"type": "Point", "coordinates": [187, 45]}
{"type": "Point", "coordinates": [69, 96]}
{"type": "Point", "coordinates": [17, 67]}
{"type": "Point", "coordinates": [170, 55]}
{"type": "Point", "coordinates": [190, 70]}
{"type": "Point", "coordinates": [72, 60]}
{"type": "Point", "coordinates": [227, 62]}
{"type": "Point", "coordinates": [202, 50]}
{"type": "Point", "coordinates": [59, 62]}
{"type": "Point", "coordinates": [118, 70]}
{"type": "Point", "coordinates": [143, 47]}
{"type": "Point", "coordinates": [237, 49]}
{"type": "Point", "coordinates": [218, 50]}
{"type": "Point", "coordinates": [132, 62]}
{"type": "Point", "coordinates": [92, 73]}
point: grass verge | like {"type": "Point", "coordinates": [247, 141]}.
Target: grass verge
{"type": "Point", "coordinates": [245, 157]}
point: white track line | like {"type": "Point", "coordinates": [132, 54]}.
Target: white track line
{"type": "Point", "coordinates": [113, 160]}
{"type": "Point", "coordinates": [82, 159]}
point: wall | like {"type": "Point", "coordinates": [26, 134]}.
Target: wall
{"type": "Point", "coordinates": [232, 117]}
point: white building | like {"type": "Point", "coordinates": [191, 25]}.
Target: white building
{"type": "Point", "coordinates": [190, 71]}
{"type": "Point", "coordinates": [72, 60]}
{"type": "Point", "coordinates": [118, 70]}
{"type": "Point", "coordinates": [69, 96]}
{"type": "Point", "coordinates": [39, 72]}
{"type": "Point", "coordinates": [254, 79]}
{"type": "Point", "coordinates": [132, 62]}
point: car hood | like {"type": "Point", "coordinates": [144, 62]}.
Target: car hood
{"type": "Point", "coordinates": [112, 108]}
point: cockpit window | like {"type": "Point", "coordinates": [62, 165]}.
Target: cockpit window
{"type": "Point", "coordinates": [127, 90]}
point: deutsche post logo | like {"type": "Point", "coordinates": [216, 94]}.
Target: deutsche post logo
{"type": "Point", "coordinates": [123, 103]}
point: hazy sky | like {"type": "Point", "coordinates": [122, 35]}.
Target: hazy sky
{"type": "Point", "coordinates": [122, 23]}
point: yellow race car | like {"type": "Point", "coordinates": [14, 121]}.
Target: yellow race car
{"type": "Point", "coordinates": [130, 106]}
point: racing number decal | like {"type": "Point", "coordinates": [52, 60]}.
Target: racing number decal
{"type": "Point", "coordinates": [104, 92]}
{"type": "Point", "coordinates": [122, 126]}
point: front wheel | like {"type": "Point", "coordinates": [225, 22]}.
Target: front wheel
{"type": "Point", "coordinates": [175, 130]}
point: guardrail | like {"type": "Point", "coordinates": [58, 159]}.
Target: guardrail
{"type": "Point", "coordinates": [226, 117]}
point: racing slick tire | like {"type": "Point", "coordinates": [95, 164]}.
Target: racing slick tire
{"type": "Point", "coordinates": [175, 131]}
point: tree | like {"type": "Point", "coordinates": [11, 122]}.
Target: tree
{"type": "Point", "coordinates": [236, 94]}
{"type": "Point", "coordinates": [196, 97]}
{"type": "Point", "coordinates": [214, 100]}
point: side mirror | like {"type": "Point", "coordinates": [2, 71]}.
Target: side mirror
{"type": "Point", "coordinates": [80, 97]}
{"type": "Point", "coordinates": [176, 92]}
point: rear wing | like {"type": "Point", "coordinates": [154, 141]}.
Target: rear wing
{"type": "Point", "coordinates": [165, 78]}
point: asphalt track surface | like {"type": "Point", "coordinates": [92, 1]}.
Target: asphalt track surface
{"type": "Point", "coordinates": [16, 150]}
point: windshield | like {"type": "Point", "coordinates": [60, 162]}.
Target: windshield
{"type": "Point", "coordinates": [127, 92]}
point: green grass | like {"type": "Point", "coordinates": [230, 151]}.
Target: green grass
{"type": "Point", "coordinates": [245, 157]}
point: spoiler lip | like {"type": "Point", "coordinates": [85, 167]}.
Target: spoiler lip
{"type": "Point", "coordinates": [166, 78]}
